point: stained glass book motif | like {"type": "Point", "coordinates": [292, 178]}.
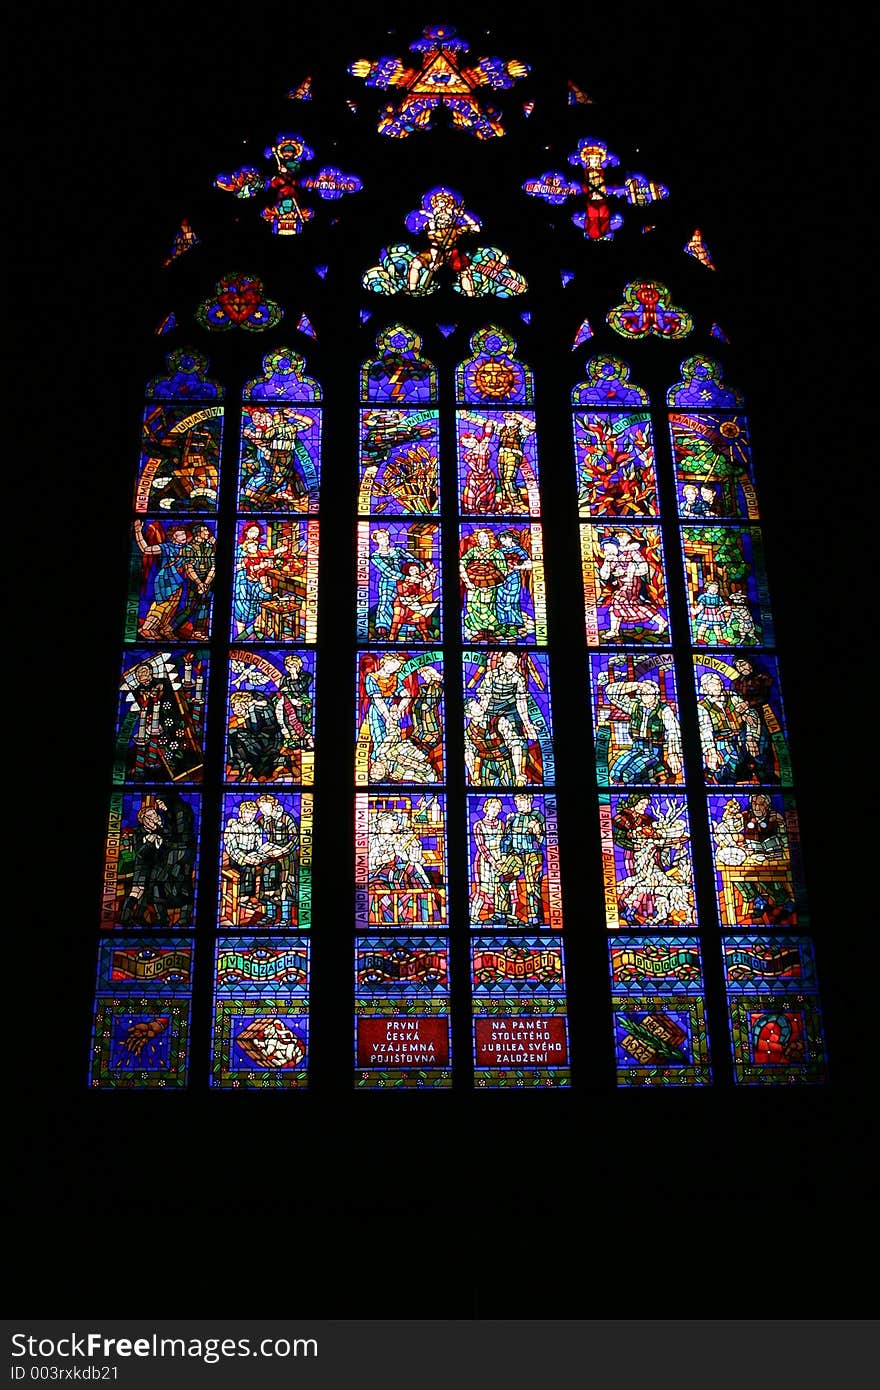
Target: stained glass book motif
{"type": "Point", "coordinates": [270, 716]}
{"type": "Point", "coordinates": [646, 860]}
{"type": "Point", "coordinates": [151, 858]}
{"type": "Point", "coordinates": [400, 717]}
{"type": "Point", "coordinates": [507, 720]}
{"type": "Point", "coordinates": [143, 997]}
{"type": "Point", "coordinates": [501, 567]}
{"type": "Point", "coordinates": [266, 859]}
{"type": "Point", "coordinates": [160, 723]}
{"type": "Point", "coordinates": [636, 721]}
{"type": "Point", "coordinates": [513, 861]}
{"type": "Point", "coordinates": [398, 582]}
{"type": "Point", "coordinates": [658, 1011]}
{"type": "Point", "coordinates": [519, 1010]}
{"type": "Point", "coordinates": [260, 1034]}
{"type": "Point", "coordinates": [401, 1022]}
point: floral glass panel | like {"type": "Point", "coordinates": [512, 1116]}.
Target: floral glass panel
{"type": "Point", "coordinates": [624, 585]}
{"type": "Point", "coordinates": [260, 1034]}
{"type": "Point", "coordinates": [400, 860]}
{"type": "Point", "coordinates": [773, 1005]}
{"type": "Point", "coordinates": [399, 462]}
{"type": "Point", "coordinates": [143, 996]}
{"type": "Point", "coordinates": [398, 582]}
{"type": "Point", "coordinates": [275, 584]}
{"type": "Point", "coordinates": [180, 458]}
{"type": "Point", "coordinates": [270, 716]}
{"type": "Point", "coordinates": [160, 723]}
{"type": "Point", "coordinates": [280, 459]}
{"type": "Point", "coordinates": [497, 463]}
{"type": "Point", "coordinates": [636, 722]}
{"type": "Point", "coordinates": [741, 720]}
{"type": "Point", "coordinates": [616, 472]}
{"type": "Point", "coordinates": [502, 583]}
{"type": "Point", "coordinates": [713, 467]}
{"type": "Point", "coordinates": [507, 719]}
{"type": "Point", "coordinates": [266, 859]}
{"type": "Point", "coordinates": [150, 859]}
{"type": "Point", "coordinates": [646, 860]}
{"type": "Point", "coordinates": [519, 1011]}
{"type": "Point", "coordinates": [726, 586]}
{"type": "Point", "coordinates": [758, 873]}
{"type": "Point", "coordinates": [513, 859]}
{"type": "Point", "coordinates": [400, 717]}
{"type": "Point", "coordinates": [658, 1011]}
{"type": "Point", "coordinates": [401, 1021]}
{"type": "Point", "coordinates": [171, 590]}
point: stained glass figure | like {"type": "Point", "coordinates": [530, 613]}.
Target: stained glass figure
{"type": "Point", "coordinates": [583, 334]}
{"type": "Point", "coordinates": [401, 1022]}
{"type": "Point", "coordinates": [624, 585]}
{"type": "Point", "coordinates": [280, 459]}
{"type": "Point", "coordinates": [398, 581]}
{"type": "Point", "coordinates": [179, 464]}
{"type": "Point", "coordinates": [275, 583]}
{"type": "Point", "coordinates": [440, 81]}
{"type": "Point", "coordinates": [266, 859]}
{"type": "Point", "coordinates": [160, 724]}
{"type": "Point", "coordinates": [270, 716]}
{"type": "Point", "coordinates": [150, 859]}
{"type": "Point", "coordinates": [591, 158]}
{"type": "Point", "coordinates": [399, 375]}
{"type": "Point", "coordinates": [697, 248]}
{"type": "Point", "coordinates": [186, 379]}
{"type": "Point", "coordinates": [775, 1016]}
{"type": "Point", "coordinates": [399, 462]}
{"type": "Point", "coordinates": [701, 387]}
{"type": "Point", "coordinates": [287, 216]}
{"type": "Point", "coordinates": [283, 379]}
{"type": "Point", "coordinates": [636, 721]}
{"type": "Point", "coordinates": [508, 738]}
{"type": "Point", "coordinates": [756, 847]}
{"type": "Point", "coordinates": [445, 221]}
{"type": "Point", "coordinates": [239, 302]}
{"type": "Point", "coordinates": [184, 240]}
{"type": "Point", "coordinates": [659, 1011]}
{"type": "Point", "coordinates": [614, 455]}
{"type": "Point", "coordinates": [171, 591]}
{"type": "Point", "coordinates": [400, 860]}
{"type": "Point", "coordinates": [713, 466]}
{"type": "Point", "coordinates": [260, 1034]}
{"type": "Point", "coordinates": [608, 383]}
{"type": "Point", "coordinates": [647, 309]}
{"type": "Point", "coordinates": [497, 463]}
{"type": "Point", "coordinates": [400, 718]}
{"type": "Point", "coordinates": [646, 860]}
{"type": "Point", "coordinates": [513, 858]}
{"type": "Point", "coordinates": [493, 376]}
{"type": "Point", "coordinates": [741, 721]}
{"type": "Point", "coordinates": [502, 584]}
{"type": "Point", "coordinates": [519, 1011]}
{"type": "Point", "coordinates": [726, 582]}
{"type": "Point", "coordinates": [143, 997]}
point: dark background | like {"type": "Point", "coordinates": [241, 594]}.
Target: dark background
{"type": "Point", "coordinates": [456, 1205]}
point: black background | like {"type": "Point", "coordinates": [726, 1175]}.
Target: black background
{"type": "Point", "coordinates": [338, 1205]}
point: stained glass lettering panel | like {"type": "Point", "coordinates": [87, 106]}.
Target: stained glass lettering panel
{"type": "Point", "coordinates": [398, 582]}
{"type": "Point", "coordinates": [143, 998]}
{"type": "Point", "coordinates": [402, 1028]}
{"type": "Point", "coordinates": [713, 466]}
{"type": "Point", "coordinates": [260, 1034]}
{"type": "Point", "coordinates": [179, 458]}
{"type": "Point", "coordinates": [270, 716]}
{"type": "Point", "coordinates": [658, 1011]}
{"type": "Point", "coordinates": [519, 1011]}
{"type": "Point", "coordinates": [400, 718]}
